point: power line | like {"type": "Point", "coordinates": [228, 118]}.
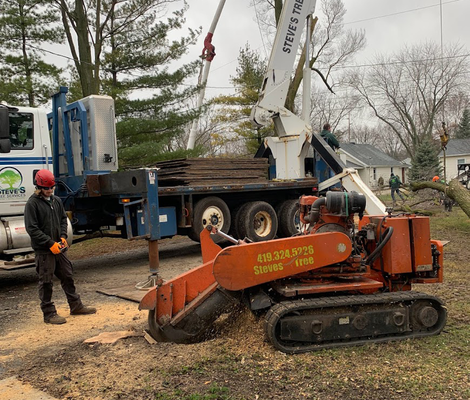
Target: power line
{"type": "Point", "coordinates": [339, 67]}
{"type": "Point", "coordinates": [384, 64]}
{"type": "Point", "coordinates": [399, 12]}
{"type": "Point", "coordinates": [363, 20]}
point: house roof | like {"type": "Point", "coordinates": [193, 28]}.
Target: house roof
{"type": "Point", "coordinates": [350, 164]}
{"type": "Point", "coordinates": [407, 162]}
{"type": "Point", "coordinates": [457, 147]}
{"type": "Point", "coordinates": [369, 155]}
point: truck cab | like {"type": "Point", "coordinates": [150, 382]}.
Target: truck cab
{"type": "Point", "coordinates": [29, 151]}
{"type": "Point", "coordinates": [24, 149]}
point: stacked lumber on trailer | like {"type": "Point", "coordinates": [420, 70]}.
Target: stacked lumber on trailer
{"type": "Point", "coordinates": [212, 171]}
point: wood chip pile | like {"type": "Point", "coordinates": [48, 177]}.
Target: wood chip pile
{"type": "Point", "coordinates": [212, 171]}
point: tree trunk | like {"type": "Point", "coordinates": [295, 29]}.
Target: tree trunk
{"type": "Point", "coordinates": [84, 50]}
{"type": "Point", "coordinates": [455, 191]}
{"type": "Point", "coordinates": [277, 10]}
{"type": "Point", "coordinates": [299, 72]}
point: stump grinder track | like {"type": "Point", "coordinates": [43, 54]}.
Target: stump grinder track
{"type": "Point", "coordinates": [299, 326]}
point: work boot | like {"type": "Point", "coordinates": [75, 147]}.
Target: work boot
{"type": "Point", "coordinates": [83, 311]}
{"type": "Point", "coordinates": [55, 319]}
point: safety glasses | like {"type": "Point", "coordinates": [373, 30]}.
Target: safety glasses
{"type": "Point", "coordinates": [46, 187]}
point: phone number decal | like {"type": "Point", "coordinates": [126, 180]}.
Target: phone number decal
{"type": "Point", "coordinates": [299, 256]}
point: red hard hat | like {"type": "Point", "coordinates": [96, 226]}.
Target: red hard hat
{"type": "Point", "coordinates": [45, 178]}
{"type": "Point", "coordinates": [435, 179]}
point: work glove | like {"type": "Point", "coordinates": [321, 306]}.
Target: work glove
{"type": "Point", "coordinates": [64, 242]}
{"type": "Point", "coordinates": [56, 248]}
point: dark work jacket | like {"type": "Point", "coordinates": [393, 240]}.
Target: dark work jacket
{"type": "Point", "coordinates": [45, 221]}
{"type": "Point", "coordinates": [330, 139]}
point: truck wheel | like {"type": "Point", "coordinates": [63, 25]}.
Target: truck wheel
{"type": "Point", "coordinates": [258, 221]}
{"type": "Point", "coordinates": [210, 211]}
{"type": "Point", "coordinates": [236, 212]}
{"type": "Point", "coordinates": [289, 218]}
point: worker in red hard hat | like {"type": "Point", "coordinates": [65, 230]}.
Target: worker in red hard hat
{"type": "Point", "coordinates": [46, 224]}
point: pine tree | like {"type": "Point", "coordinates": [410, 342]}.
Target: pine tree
{"type": "Point", "coordinates": [247, 81]}
{"type": "Point", "coordinates": [463, 130]}
{"type": "Point", "coordinates": [25, 26]}
{"type": "Point", "coordinates": [425, 163]}
{"type": "Point", "coordinates": [123, 49]}
{"type": "Point", "coordinates": [153, 126]}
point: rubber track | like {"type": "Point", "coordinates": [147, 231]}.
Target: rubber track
{"type": "Point", "coordinates": [276, 313]}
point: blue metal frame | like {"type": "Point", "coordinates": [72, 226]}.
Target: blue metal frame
{"type": "Point", "coordinates": [142, 214]}
{"type": "Point", "coordinates": [72, 112]}
{"type": "Point", "coordinates": [150, 212]}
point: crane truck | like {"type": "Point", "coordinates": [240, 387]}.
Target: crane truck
{"type": "Point", "coordinates": [77, 141]}
{"type": "Point", "coordinates": [346, 279]}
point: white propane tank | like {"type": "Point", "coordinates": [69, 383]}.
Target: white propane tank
{"type": "Point", "coordinates": [13, 234]}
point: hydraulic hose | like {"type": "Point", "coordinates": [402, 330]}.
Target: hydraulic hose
{"type": "Point", "coordinates": [378, 250]}
{"type": "Point", "coordinates": [314, 214]}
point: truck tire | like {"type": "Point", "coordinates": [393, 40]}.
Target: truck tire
{"type": "Point", "coordinates": [210, 211]}
{"type": "Point", "coordinates": [236, 212]}
{"type": "Point", "coordinates": [257, 221]}
{"type": "Point", "coordinates": [289, 218]}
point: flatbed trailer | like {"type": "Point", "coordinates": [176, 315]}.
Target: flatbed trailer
{"type": "Point", "coordinates": [282, 196]}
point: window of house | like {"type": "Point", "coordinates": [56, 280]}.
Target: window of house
{"type": "Point", "coordinates": [21, 131]}
{"type": "Point", "coordinates": [460, 161]}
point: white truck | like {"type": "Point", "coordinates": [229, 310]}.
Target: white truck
{"type": "Point", "coordinates": [24, 149]}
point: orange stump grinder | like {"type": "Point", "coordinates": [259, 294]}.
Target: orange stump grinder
{"type": "Point", "coordinates": [335, 284]}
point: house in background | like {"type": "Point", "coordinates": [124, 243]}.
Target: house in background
{"type": "Point", "coordinates": [372, 163]}
{"type": "Point", "coordinates": [458, 152]}
{"type": "Point", "coordinates": [407, 162]}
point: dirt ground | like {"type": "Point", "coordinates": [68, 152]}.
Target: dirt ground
{"type": "Point", "coordinates": [236, 363]}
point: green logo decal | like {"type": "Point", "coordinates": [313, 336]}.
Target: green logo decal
{"type": "Point", "coordinates": [10, 183]}
{"type": "Point", "coordinates": [10, 178]}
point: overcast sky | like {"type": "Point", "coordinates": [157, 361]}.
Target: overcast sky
{"type": "Point", "coordinates": [389, 25]}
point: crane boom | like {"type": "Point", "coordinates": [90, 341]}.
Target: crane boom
{"type": "Point", "coordinates": [294, 134]}
{"type": "Point", "coordinates": [208, 54]}
{"type": "Point", "coordinates": [281, 63]}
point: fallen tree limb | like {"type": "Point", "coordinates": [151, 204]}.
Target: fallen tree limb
{"type": "Point", "coordinates": [454, 191]}
{"type": "Point", "coordinates": [418, 202]}
{"type": "Point", "coordinates": [410, 210]}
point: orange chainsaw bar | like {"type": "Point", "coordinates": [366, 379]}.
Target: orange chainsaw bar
{"type": "Point", "coordinates": [248, 265]}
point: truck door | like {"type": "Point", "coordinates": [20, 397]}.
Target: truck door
{"type": "Point", "coordinates": [29, 152]}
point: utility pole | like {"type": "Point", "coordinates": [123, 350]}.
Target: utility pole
{"type": "Point", "coordinates": [349, 127]}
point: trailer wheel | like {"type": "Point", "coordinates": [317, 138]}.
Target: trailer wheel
{"type": "Point", "coordinates": [210, 211]}
{"type": "Point", "coordinates": [258, 221]}
{"type": "Point", "coordinates": [289, 218]}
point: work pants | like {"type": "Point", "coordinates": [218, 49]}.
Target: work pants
{"type": "Point", "coordinates": [397, 191]}
{"type": "Point", "coordinates": [48, 265]}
